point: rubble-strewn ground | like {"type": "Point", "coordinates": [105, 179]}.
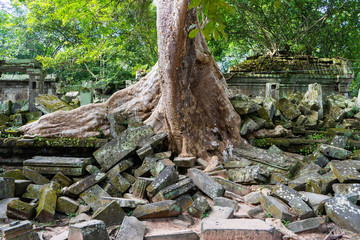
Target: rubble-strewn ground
{"type": "Point", "coordinates": [304, 183]}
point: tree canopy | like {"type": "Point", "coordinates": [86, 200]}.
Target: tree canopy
{"type": "Point", "coordinates": [108, 40]}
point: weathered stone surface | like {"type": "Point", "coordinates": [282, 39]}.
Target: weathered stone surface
{"type": "Point", "coordinates": [225, 202]}
{"type": "Point", "coordinates": [5, 107]}
{"type": "Point", "coordinates": [21, 231]}
{"type": "Point", "coordinates": [230, 229]}
{"type": "Point", "coordinates": [343, 213]}
{"type": "Point", "coordinates": [220, 213]}
{"type": "Point", "coordinates": [257, 213]}
{"type": "Point", "coordinates": [3, 208]}
{"type": "Point", "coordinates": [69, 166]}
{"type": "Point", "coordinates": [80, 186]}
{"type": "Point", "coordinates": [166, 178]}
{"type": "Point", "coordinates": [35, 177]}
{"type": "Point", "coordinates": [111, 214]}
{"type": "Point", "coordinates": [276, 208]}
{"type": "Point", "coordinates": [17, 209]}
{"type": "Point", "coordinates": [167, 208]}
{"type": "Point", "coordinates": [334, 152]}
{"type": "Point", "coordinates": [345, 189]}
{"type": "Point", "coordinates": [131, 228]}
{"type": "Point", "coordinates": [92, 169]}
{"type": "Point", "coordinates": [120, 167]}
{"type": "Point", "coordinates": [305, 225]}
{"type": "Point", "coordinates": [299, 183]}
{"type": "Point", "coordinates": [173, 235]}
{"type": "Point", "coordinates": [122, 146]}
{"type": "Point", "coordinates": [322, 184]}
{"type": "Point", "coordinates": [285, 193]}
{"type": "Point", "coordinates": [33, 191]}
{"type": "Point", "coordinates": [139, 188]}
{"type": "Point", "coordinates": [248, 126]}
{"type": "Point", "coordinates": [316, 201]}
{"type": "Point", "coordinates": [175, 190]}
{"type": "Point", "coordinates": [248, 175]}
{"type": "Point", "coordinates": [287, 108]}
{"type": "Point", "coordinates": [278, 178]}
{"type": "Point", "coordinates": [187, 162]}
{"type": "Point", "coordinates": [339, 141]}
{"type": "Point", "coordinates": [184, 201]}
{"type": "Point", "coordinates": [127, 203]}
{"type": "Point", "coordinates": [199, 206]}
{"type": "Point", "coordinates": [50, 103]}
{"type": "Point", "coordinates": [111, 190]}
{"type": "Point", "coordinates": [237, 164]}
{"type": "Point", "coordinates": [7, 187]}
{"type": "Point", "coordinates": [301, 208]}
{"type": "Point", "coordinates": [66, 205]}
{"type": "Point", "coordinates": [253, 198]}
{"type": "Point", "coordinates": [232, 187]}
{"type": "Point", "coordinates": [14, 173]}
{"type": "Point", "coordinates": [91, 230]}
{"type": "Point", "coordinates": [245, 107]}
{"type": "Point", "coordinates": [148, 163]}
{"type": "Point", "coordinates": [345, 171]}
{"type": "Point", "coordinates": [63, 180]}
{"type": "Point", "coordinates": [319, 159]}
{"type": "Point", "coordinates": [20, 187]}
{"type": "Point", "coordinates": [205, 183]}
{"type": "Point", "coordinates": [144, 151]}
{"type": "Point", "coordinates": [46, 209]}
{"type": "Point", "coordinates": [94, 197]}
{"type": "Point", "coordinates": [119, 182]}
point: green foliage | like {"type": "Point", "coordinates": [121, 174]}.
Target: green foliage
{"type": "Point", "coordinates": [285, 222]}
{"type": "Point", "coordinates": [206, 214]}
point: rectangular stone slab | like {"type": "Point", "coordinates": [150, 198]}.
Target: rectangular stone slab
{"type": "Point", "coordinates": [205, 183]}
{"type": "Point", "coordinates": [69, 166]}
{"type": "Point", "coordinates": [242, 229]}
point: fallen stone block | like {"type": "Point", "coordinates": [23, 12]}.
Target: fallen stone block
{"type": "Point", "coordinates": [244, 107]}
{"type": "Point", "coordinates": [19, 231]}
{"type": "Point", "coordinates": [220, 213]}
{"type": "Point", "coordinates": [122, 146]}
{"type": "Point", "coordinates": [50, 103]}
{"type": "Point", "coordinates": [14, 173]}
{"type": "Point", "coordinates": [173, 235]}
{"type": "Point", "coordinates": [61, 179]}
{"type": "Point", "coordinates": [237, 164]}
{"type": "Point", "coordinates": [127, 203]}
{"type": "Point", "coordinates": [166, 178]}
{"type": "Point", "coordinates": [66, 205]}
{"type": "Point", "coordinates": [257, 213]}
{"type": "Point", "coordinates": [91, 230]}
{"type": "Point", "coordinates": [205, 183]}
{"type": "Point", "coordinates": [144, 151]}
{"type": "Point", "coordinates": [94, 197]}
{"type": "Point", "coordinates": [139, 187]}
{"type": "Point", "coordinates": [253, 198]}
{"type": "Point", "coordinates": [319, 159]}
{"type": "Point", "coordinates": [69, 166]}
{"type": "Point", "coordinates": [345, 189]}
{"type": "Point", "coordinates": [174, 191]}
{"type": "Point", "coordinates": [3, 208]}
{"type": "Point", "coordinates": [229, 229]}
{"type": "Point", "coordinates": [299, 183]}
{"type": "Point", "coordinates": [232, 187]}
{"type": "Point", "coordinates": [316, 201]}
{"type": "Point", "coordinates": [225, 202]}
{"type": "Point", "coordinates": [168, 208]}
{"type": "Point", "coordinates": [80, 186]}
{"type": "Point", "coordinates": [17, 209]}
{"type": "Point", "coordinates": [322, 184]}
{"type": "Point", "coordinates": [278, 178]}
{"type": "Point", "coordinates": [119, 183]}
{"type": "Point", "coordinates": [120, 167]}
{"type": "Point", "coordinates": [186, 162]}
{"type": "Point", "coordinates": [47, 204]}
{"type": "Point", "coordinates": [339, 141]}
{"type": "Point", "coordinates": [184, 201]}
{"type": "Point", "coordinates": [285, 193]}
{"type": "Point", "coordinates": [199, 207]}
{"type": "Point", "coordinates": [131, 228]}
{"type": "Point", "coordinates": [7, 187]}
{"type": "Point", "coordinates": [92, 169]}
{"type": "Point", "coordinates": [343, 213]}
{"type": "Point", "coordinates": [345, 171]}
{"type": "Point", "coordinates": [33, 191]}
{"type": "Point", "coordinates": [35, 177]}
{"type": "Point", "coordinates": [111, 190]}
{"type": "Point", "coordinates": [334, 152]}
{"type": "Point", "coordinates": [276, 208]}
{"type": "Point", "coordinates": [301, 208]}
{"type": "Point", "coordinates": [307, 224]}
{"type": "Point", "coordinates": [111, 214]}
{"type": "Point", "coordinates": [148, 163]}
{"type": "Point", "coordinates": [248, 126]}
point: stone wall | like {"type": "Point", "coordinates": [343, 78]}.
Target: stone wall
{"type": "Point", "coordinates": [293, 74]}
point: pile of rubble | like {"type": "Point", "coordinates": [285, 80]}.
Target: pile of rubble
{"type": "Point", "coordinates": [133, 179]}
{"type": "Point", "coordinates": [297, 112]}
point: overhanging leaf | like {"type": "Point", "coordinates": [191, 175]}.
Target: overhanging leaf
{"type": "Point", "coordinates": [193, 33]}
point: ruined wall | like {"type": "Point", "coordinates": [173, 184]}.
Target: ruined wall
{"type": "Point", "coordinates": [292, 73]}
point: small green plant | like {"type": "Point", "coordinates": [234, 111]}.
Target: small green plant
{"type": "Point", "coordinates": [130, 212]}
{"type": "Point", "coordinates": [101, 133]}
{"type": "Point", "coordinates": [82, 202]}
{"type": "Point", "coordinates": [285, 222]}
{"type": "Point", "coordinates": [268, 214]}
{"type": "Point", "coordinates": [71, 215]}
{"type": "Point", "coordinates": [205, 214]}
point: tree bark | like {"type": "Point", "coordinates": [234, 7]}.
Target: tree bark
{"type": "Point", "coordinates": [184, 94]}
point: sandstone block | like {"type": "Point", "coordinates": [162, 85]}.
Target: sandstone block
{"type": "Point", "coordinates": [91, 230]}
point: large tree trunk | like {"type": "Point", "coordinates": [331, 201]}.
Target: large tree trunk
{"type": "Point", "coordinates": [185, 94]}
